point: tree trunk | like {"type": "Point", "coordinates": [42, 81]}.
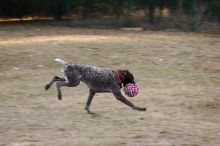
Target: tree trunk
{"type": "Point", "coordinates": [151, 9]}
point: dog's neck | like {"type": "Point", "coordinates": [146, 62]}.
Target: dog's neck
{"type": "Point", "coordinates": [118, 75]}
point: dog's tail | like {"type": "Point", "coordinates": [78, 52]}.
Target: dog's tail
{"type": "Point", "coordinates": [60, 61]}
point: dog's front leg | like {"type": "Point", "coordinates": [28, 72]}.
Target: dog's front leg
{"type": "Point", "coordinates": [121, 98]}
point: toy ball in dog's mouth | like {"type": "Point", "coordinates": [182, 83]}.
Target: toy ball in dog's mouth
{"type": "Point", "coordinates": [131, 89]}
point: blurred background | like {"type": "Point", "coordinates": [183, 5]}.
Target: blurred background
{"type": "Point", "coordinates": [184, 15]}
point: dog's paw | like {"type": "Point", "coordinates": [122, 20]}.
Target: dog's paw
{"type": "Point", "coordinates": [143, 109]}
{"type": "Point", "coordinates": [88, 111]}
{"type": "Point", "coordinates": [140, 108]}
{"type": "Point", "coordinates": [47, 87]}
{"type": "Point", "coordinates": [59, 96]}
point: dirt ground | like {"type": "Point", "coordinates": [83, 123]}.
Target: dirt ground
{"type": "Point", "coordinates": [178, 73]}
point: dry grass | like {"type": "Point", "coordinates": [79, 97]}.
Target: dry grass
{"type": "Point", "coordinates": [178, 74]}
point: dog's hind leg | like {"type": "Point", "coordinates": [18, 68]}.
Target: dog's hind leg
{"type": "Point", "coordinates": [55, 79]}
{"type": "Point", "coordinates": [72, 81]}
{"type": "Point", "coordinates": [91, 95]}
{"type": "Point", "coordinates": [58, 85]}
{"type": "Point", "coordinates": [121, 98]}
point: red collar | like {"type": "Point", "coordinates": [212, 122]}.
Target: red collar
{"type": "Point", "coordinates": [118, 76]}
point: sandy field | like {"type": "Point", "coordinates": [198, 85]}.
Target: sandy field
{"type": "Point", "coordinates": [178, 74]}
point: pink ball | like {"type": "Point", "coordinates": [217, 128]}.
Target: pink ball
{"type": "Point", "coordinates": [131, 89]}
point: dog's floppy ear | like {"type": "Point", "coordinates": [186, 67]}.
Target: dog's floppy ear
{"type": "Point", "coordinates": [128, 75]}
{"type": "Point", "coordinates": [125, 72]}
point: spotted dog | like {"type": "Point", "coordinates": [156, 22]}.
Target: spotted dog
{"type": "Point", "coordinates": [97, 79]}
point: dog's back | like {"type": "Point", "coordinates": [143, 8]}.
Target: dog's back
{"type": "Point", "coordinates": [92, 76]}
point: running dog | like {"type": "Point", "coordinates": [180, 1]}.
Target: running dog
{"type": "Point", "coordinates": [97, 79]}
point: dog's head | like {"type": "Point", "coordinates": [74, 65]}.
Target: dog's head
{"type": "Point", "coordinates": [127, 77]}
